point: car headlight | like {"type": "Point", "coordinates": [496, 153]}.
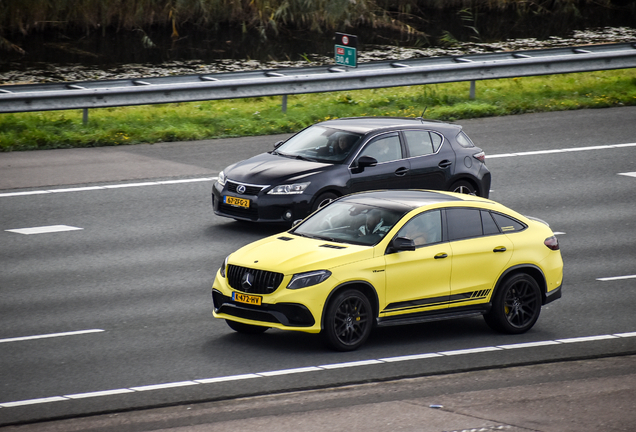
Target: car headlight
{"type": "Point", "coordinates": [296, 188]}
{"type": "Point", "coordinates": [303, 280]}
{"type": "Point", "coordinates": [224, 266]}
{"type": "Point", "coordinates": [221, 179]}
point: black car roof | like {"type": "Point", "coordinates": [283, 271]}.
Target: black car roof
{"type": "Point", "coordinates": [401, 200]}
{"type": "Point", "coordinates": [367, 124]}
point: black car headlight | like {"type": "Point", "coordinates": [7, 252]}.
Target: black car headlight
{"type": "Point", "coordinates": [287, 189]}
{"type": "Point", "coordinates": [303, 280]}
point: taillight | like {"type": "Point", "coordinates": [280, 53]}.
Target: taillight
{"type": "Point", "coordinates": [481, 157]}
{"type": "Point", "coordinates": [552, 243]}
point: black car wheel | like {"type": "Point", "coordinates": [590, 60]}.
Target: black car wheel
{"type": "Point", "coordinates": [323, 200]}
{"type": "Point", "coordinates": [348, 320]}
{"type": "Point", "coordinates": [246, 328]}
{"type": "Point", "coordinates": [464, 187]}
{"type": "Point", "coordinates": [516, 305]}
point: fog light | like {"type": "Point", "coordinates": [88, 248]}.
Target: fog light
{"type": "Point", "coordinates": [288, 215]}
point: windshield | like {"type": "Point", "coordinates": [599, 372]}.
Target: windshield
{"type": "Point", "coordinates": [348, 222]}
{"type": "Point", "coordinates": [319, 143]}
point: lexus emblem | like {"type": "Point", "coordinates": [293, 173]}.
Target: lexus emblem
{"type": "Point", "coordinates": [246, 281]}
{"type": "Point", "coordinates": [240, 189]}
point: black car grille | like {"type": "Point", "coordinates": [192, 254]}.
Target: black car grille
{"type": "Point", "coordinates": [262, 282]}
{"type": "Point", "coordinates": [249, 189]}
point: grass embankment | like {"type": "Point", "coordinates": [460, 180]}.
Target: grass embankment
{"type": "Point", "coordinates": [263, 116]}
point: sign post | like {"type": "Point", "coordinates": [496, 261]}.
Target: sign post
{"type": "Point", "coordinates": [346, 50]}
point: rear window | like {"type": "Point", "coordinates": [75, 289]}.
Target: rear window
{"type": "Point", "coordinates": [464, 141]}
{"type": "Point", "coordinates": [507, 224]}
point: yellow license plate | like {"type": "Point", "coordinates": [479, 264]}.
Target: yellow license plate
{"type": "Point", "coordinates": [246, 298]}
{"type": "Point", "coordinates": [238, 202]}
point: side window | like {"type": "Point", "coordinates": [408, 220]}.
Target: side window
{"type": "Point", "coordinates": [488, 223]}
{"type": "Point", "coordinates": [385, 148]}
{"type": "Point", "coordinates": [419, 142]}
{"type": "Point", "coordinates": [423, 229]}
{"type": "Point", "coordinates": [464, 141]}
{"type": "Point", "coordinates": [507, 224]}
{"type": "Point", "coordinates": [463, 223]}
{"type": "Point", "coordinates": [436, 139]}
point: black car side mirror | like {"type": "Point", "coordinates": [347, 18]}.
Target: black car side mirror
{"type": "Point", "coordinates": [400, 244]}
{"type": "Point", "coordinates": [364, 162]}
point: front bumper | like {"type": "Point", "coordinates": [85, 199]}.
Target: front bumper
{"type": "Point", "coordinates": [262, 207]}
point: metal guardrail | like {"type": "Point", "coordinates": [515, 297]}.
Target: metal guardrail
{"type": "Point", "coordinates": [188, 88]}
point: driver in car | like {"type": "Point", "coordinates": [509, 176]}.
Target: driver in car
{"type": "Point", "coordinates": [374, 224]}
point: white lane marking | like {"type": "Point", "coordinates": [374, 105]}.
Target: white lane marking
{"type": "Point", "coordinates": [614, 278]}
{"type": "Point", "coordinates": [576, 149]}
{"type": "Point", "coordinates": [164, 386]}
{"type": "Point", "coordinates": [107, 187]}
{"type": "Point", "coordinates": [44, 229]}
{"type": "Point", "coordinates": [51, 335]}
{"type": "Point", "coordinates": [98, 393]}
{"type": "Point", "coordinates": [315, 369]}
{"type": "Point", "coordinates": [629, 174]}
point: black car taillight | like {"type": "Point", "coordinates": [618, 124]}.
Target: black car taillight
{"type": "Point", "coordinates": [481, 156]}
{"type": "Point", "coordinates": [552, 243]}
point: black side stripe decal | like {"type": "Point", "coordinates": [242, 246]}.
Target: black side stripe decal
{"type": "Point", "coordinates": [437, 301]}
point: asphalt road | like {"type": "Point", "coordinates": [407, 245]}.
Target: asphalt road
{"type": "Point", "coordinates": [127, 292]}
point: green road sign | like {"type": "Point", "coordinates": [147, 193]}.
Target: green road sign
{"type": "Point", "coordinates": [346, 56]}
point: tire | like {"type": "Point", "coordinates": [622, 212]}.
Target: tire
{"type": "Point", "coordinates": [516, 305]}
{"type": "Point", "coordinates": [463, 187]}
{"type": "Point", "coordinates": [246, 328]}
{"type": "Point", "coordinates": [348, 320]}
{"type": "Point", "coordinates": [323, 200]}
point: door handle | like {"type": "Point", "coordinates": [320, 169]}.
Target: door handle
{"type": "Point", "coordinates": [401, 171]}
{"type": "Point", "coordinates": [441, 255]}
{"type": "Point", "coordinates": [445, 163]}
{"type": "Point", "coordinates": [499, 249]}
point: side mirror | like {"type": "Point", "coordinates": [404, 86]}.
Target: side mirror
{"type": "Point", "coordinates": [400, 244]}
{"type": "Point", "coordinates": [367, 161]}
{"type": "Point", "coordinates": [278, 144]}
{"type": "Point", "coordinates": [364, 162]}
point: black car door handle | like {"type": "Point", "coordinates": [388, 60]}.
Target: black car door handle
{"type": "Point", "coordinates": [444, 164]}
{"type": "Point", "coordinates": [499, 249]}
{"type": "Point", "coordinates": [441, 255]}
{"type": "Point", "coordinates": [401, 171]}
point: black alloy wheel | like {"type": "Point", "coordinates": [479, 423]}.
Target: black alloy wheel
{"type": "Point", "coordinates": [246, 328]}
{"type": "Point", "coordinates": [463, 187]}
{"type": "Point", "coordinates": [348, 320]}
{"type": "Point", "coordinates": [516, 305]}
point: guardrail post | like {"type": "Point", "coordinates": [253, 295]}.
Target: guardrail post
{"type": "Point", "coordinates": [284, 104]}
{"type": "Point", "coordinates": [472, 90]}
{"type": "Point", "coordinates": [85, 116]}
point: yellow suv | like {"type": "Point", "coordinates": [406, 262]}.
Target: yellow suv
{"type": "Point", "coordinates": [393, 257]}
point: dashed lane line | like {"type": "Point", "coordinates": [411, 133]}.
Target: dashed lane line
{"type": "Point", "coordinates": [309, 369]}
{"type": "Point", "coordinates": [44, 229]}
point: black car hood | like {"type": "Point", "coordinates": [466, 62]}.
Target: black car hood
{"type": "Point", "coordinates": [270, 169]}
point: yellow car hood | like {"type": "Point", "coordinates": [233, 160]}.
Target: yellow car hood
{"type": "Point", "coordinates": [289, 254]}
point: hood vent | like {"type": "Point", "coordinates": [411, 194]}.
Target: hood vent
{"type": "Point", "coordinates": [332, 246]}
{"type": "Point", "coordinates": [285, 238]}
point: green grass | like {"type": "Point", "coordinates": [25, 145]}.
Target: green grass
{"type": "Point", "coordinates": [263, 116]}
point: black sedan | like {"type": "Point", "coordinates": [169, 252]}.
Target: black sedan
{"type": "Point", "coordinates": [338, 157]}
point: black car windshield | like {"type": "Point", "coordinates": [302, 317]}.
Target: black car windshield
{"type": "Point", "coordinates": [320, 143]}
{"type": "Point", "coordinates": [348, 222]}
